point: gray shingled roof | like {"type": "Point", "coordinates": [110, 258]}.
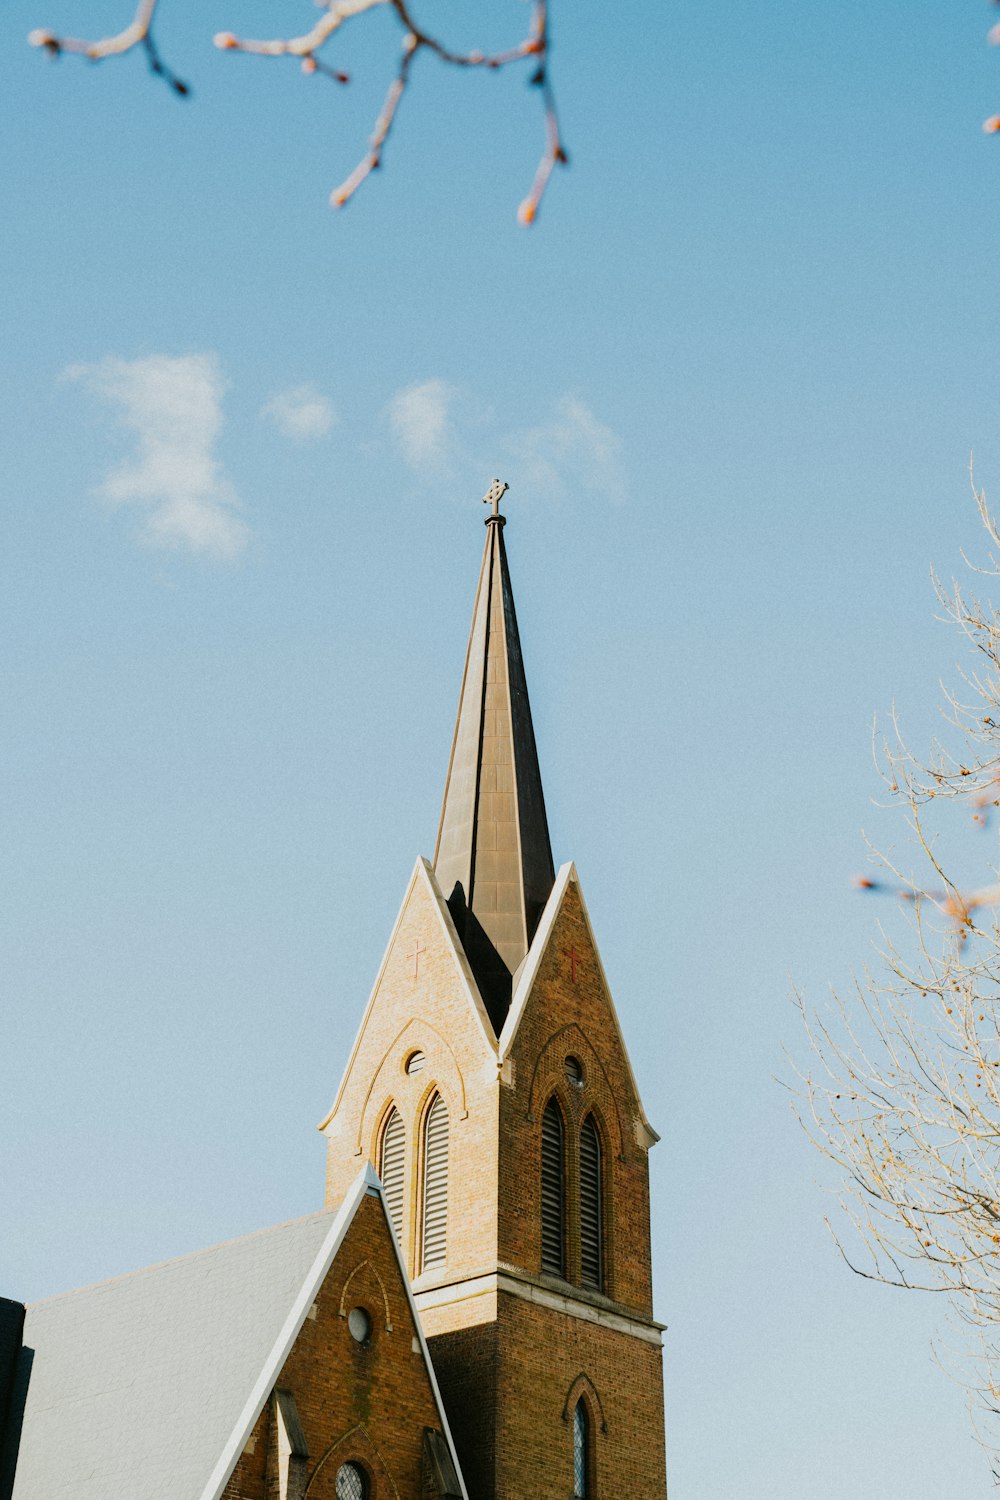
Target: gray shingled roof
{"type": "Point", "coordinates": [138, 1384]}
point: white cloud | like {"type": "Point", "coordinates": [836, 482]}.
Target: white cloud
{"type": "Point", "coordinates": [420, 417]}
{"type": "Point", "coordinates": [302, 412]}
{"type": "Point", "coordinates": [173, 405]}
{"type": "Point", "coordinates": [571, 451]}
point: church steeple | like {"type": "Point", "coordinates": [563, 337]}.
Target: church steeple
{"type": "Point", "coordinates": [493, 858]}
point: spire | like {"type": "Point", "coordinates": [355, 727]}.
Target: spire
{"type": "Point", "coordinates": [493, 859]}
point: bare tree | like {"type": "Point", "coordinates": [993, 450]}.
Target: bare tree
{"type": "Point", "coordinates": [306, 49]}
{"type": "Point", "coordinates": [902, 1087]}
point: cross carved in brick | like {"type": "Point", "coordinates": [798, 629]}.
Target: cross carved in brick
{"type": "Point", "coordinates": [415, 955]}
{"type": "Point", "coordinates": [574, 959]}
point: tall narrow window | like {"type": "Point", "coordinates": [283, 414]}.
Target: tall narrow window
{"type": "Point", "coordinates": [591, 1207]}
{"type": "Point", "coordinates": [390, 1169]}
{"type": "Point", "coordinates": [581, 1452]}
{"type": "Point", "coordinates": [553, 1191]}
{"type": "Point", "coordinates": [435, 1236]}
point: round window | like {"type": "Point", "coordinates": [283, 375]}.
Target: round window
{"type": "Point", "coordinates": [574, 1071]}
{"type": "Point", "coordinates": [360, 1325]}
{"type": "Point", "coordinates": [415, 1062]}
{"type": "Point", "coordinates": [352, 1482]}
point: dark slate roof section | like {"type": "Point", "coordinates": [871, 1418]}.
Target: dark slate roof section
{"type": "Point", "coordinates": [444, 1480]}
{"type": "Point", "coordinates": [493, 859]}
{"type": "Point", "coordinates": [12, 1359]}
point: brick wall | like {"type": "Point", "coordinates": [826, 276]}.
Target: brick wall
{"type": "Point", "coordinates": [366, 1403]}
{"type": "Point", "coordinates": [567, 1016]}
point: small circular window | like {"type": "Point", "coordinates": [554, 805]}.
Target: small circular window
{"type": "Point", "coordinates": [352, 1482]}
{"type": "Point", "coordinates": [415, 1062]}
{"type": "Point", "coordinates": [360, 1325]}
{"type": "Point", "coordinates": [574, 1071]}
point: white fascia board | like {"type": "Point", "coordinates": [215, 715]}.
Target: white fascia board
{"type": "Point", "coordinates": [291, 1328]}
{"type": "Point", "coordinates": [535, 954]}
{"type": "Point", "coordinates": [420, 1334]}
{"type": "Point", "coordinates": [567, 874]}
{"type": "Point", "coordinates": [421, 871]}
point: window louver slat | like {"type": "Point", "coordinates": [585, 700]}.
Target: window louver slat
{"type": "Point", "coordinates": [591, 1227]}
{"type": "Point", "coordinates": [435, 1235]}
{"type": "Point", "coordinates": [391, 1169]}
{"type": "Point", "coordinates": [553, 1191]}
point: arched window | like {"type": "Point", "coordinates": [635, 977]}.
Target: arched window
{"type": "Point", "coordinates": [391, 1167]}
{"type": "Point", "coordinates": [352, 1482]}
{"type": "Point", "coordinates": [581, 1452]}
{"type": "Point", "coordinates": [435, 1232]}
{"type": "Point", "coordinates": [591, 1207]}
{"type": "Point", "coordinates": [553, 1191]}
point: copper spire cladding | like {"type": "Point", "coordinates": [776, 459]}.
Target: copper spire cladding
{"type": "Point", "coordinates": [493, 859]}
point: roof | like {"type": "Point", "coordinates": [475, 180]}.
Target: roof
{"type": "Point", "coordinates": [149, 1385]}
{"type": "Point", "coordinates": [137, 1383]}
{"type": "Point", "coordinates": [493, 859]}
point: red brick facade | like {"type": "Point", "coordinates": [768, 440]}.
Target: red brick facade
{"type": "Point", "coordinates": [368, 1403]}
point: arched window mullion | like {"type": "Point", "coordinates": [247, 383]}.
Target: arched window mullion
{"type": "Point", "coordinates": [553, 1187]}
{"type": "Point", "coordinates": [392, 1168]}
{"type": "Point", "coordinates": [591, 1206]}
{"type": "Point", "coordinates": [434, 1232]}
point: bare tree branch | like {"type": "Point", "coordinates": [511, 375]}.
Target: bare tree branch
{"type": "Point", "coordinates": [138, 33]}
{"type": "Point", "coordinates": [902, 1087]}
{"type": "Point", "coordinates": [306, 49]}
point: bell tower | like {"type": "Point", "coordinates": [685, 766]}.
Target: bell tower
{"type": "Point", "coordinates": [491, 1087]}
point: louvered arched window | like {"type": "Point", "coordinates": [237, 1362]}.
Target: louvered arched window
{"type": "Point", "coordinates": [391, 1168]}
{"type": "Point", "coordinates": [591, 1207]}
{"type": "Point", "coordinates": [434, 1244]}
{"type": "Point", "coordinates": [581, 1452]}
{"type": "Point", "coordinates": [553, 1191]}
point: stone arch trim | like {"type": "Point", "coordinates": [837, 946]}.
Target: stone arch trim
{"type": "Point", "coordinates": [361, 1266]}
{"type": "Point", "coordinates": [584, 1386]}
{"type": "Point", "coordinates": [432, 1088]}
{"type": "Point", "coordinates": [544, 1056]}
{"type": "Point", "coordinates": [389, 1104]}
{"type": "Point", "coordinates": [415, 1022]}
{"type": "Point", "coordinates": [366, 1449]}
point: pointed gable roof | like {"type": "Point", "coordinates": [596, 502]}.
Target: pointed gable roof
{"type": "Point", "coordinates": [526, 980]}
{"type": "Point", "coordinates": [493, 859]}
{"type": "Point", "coordinates": [423, 875]}
{"type": "Point", "coordinates": [150, 1385]}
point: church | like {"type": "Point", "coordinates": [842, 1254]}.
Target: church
{"type": "Point", "coordinates": [471, 1314]}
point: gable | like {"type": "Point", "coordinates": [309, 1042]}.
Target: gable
{"type": "Point", "coordinates": [356, 1386]}
{"type": "Point", "coordinates": [425, 1003]}
{"type": "Point", "coordinates": [154, 1384]}
{"type": "Point", "coordinates": [424, 972]}
{"type": "Point", "coordinates": [562, 1003]}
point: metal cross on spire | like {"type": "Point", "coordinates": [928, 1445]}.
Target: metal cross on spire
{"type": "Point", "coordinates": [494, 495]}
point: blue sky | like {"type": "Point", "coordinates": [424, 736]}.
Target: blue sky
{"type": "Point", "coordinates": [733, 376]}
